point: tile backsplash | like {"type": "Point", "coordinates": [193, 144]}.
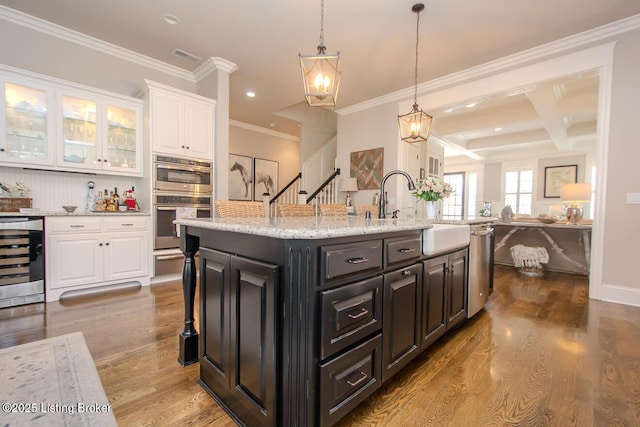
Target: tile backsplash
{"type": "Point", "coordinates": [52, 190]}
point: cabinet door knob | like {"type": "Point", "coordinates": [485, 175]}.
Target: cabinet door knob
{"type": "Point", "coordinates": [107, 244]}
{"type": "Point", "coordinates": [99, 244]}
{"type": "Point", "coordinates": [2, 150]}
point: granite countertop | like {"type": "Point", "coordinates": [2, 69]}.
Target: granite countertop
{"type": "Point", "coordinates": [307, 227]}
{"type": "Point", "coordinates": [63, 213]}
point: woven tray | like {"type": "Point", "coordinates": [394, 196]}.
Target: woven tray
{"type": "Point", "coordinates": [13, 204]}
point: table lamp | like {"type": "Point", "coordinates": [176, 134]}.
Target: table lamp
{"type": "Point", "coordinates": [349, 185]}
{"type": "Point", "coordinates": [574, 194]}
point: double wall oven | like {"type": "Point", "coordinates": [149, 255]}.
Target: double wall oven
{"type": "Point", "coordinates": [181, 188]}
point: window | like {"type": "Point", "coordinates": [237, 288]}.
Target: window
{"type": "Point", "coordinates": [519, 190]}
{"type": "Point", "coordinates": [453, 206]}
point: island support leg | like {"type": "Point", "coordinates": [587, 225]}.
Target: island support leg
{"type": "Point", "coordinates": [189, 336]}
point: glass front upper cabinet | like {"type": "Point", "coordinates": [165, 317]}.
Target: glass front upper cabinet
{"type": "Point", "coordinates": [122, 143]}
{"type": "Point", "coordinates": [100, 134]}
{"type": "Point", "coordinates": [79, 132]}
{"type": "Point", "coordinates": [27, 127]}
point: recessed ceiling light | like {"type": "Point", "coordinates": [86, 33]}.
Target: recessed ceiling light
{"type": "Point", "coordinates": [272, 125]}
{"type": "Point", "coordinates": [471, 105]}
{"type": "Point", "coordinates": [170, 19]}
{"type": "Point", "coordinates": [251, 94]}
{"type": "Point", "coordinates": [448, 110]}
{"type": "Point", "coordinates": [498, 129]}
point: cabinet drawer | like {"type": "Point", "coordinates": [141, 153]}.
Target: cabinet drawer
{"type": "Point", "coordinates": [126, 223]}
{"type": "Point", "coordinates": [341, 260]}
{"type": "Point", "coordinates": [402, 249]}
{"type": "Point", "coordinates": [349, 314]}
{"type": "Point", "coordinates": [349, 379]}
{"type": "Point", "coordinates": [73, 225]}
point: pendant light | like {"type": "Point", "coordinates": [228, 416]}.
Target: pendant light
{"type": "Point", "coordinates": [415, 125]}
{"type": "Point", "coordinates": [321, 73]}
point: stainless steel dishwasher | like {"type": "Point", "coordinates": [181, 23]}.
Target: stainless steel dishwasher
{"type": "Point", "coordinates": [480, 266]}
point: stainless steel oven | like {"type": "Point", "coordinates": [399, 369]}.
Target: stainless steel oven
{"type": "Point", "coordinates": [21, 260]}
{"type": "Point", "coordinates": [184, 175]}
{"type": "Point", "coordinates": [169, 207]}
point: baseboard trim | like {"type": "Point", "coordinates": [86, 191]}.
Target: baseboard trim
{"type": "Point", "coordinates": [621, 295]}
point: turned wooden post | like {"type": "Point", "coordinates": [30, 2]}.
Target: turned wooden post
{"type": "Point", "coordinates": [189, 337]}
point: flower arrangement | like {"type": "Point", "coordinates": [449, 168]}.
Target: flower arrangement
{"type": "Point", "coordinates": [432, 189]}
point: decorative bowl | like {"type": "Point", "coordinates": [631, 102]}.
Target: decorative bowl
{"type": "Point", "coordinates": [547, 219]}
{"type": "Point", "coordinates": [69, 209]}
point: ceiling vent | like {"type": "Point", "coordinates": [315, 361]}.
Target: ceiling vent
{"type": "Point", "coordinates": [186, 55]}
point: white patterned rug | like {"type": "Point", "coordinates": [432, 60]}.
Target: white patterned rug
{"type": "Point", "coordinates": [52, 382]}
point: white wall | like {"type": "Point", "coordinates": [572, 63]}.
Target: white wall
{"type": "Point", "coordinates": [365, 130]}
{"type": "Point", "coordinates": [622, 221]}
{"type": "Point", "coordinates": [270, 146]}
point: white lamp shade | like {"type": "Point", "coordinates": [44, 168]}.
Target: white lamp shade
{"type": "Point", "coordinates": [349, 184]}
{"type": "Point", "coordinates": [579, 192]}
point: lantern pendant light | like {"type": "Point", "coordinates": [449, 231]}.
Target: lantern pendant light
{"type": "Point", "coordinates": [321, 73]}
{"type": "Point", "coordinates": [415, 125]}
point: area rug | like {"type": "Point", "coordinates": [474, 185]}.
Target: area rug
{"type": "Point", "coordinates": [52, 382]}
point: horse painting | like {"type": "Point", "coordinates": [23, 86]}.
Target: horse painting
{"type": "Point", "coordinates": [245, 175]}
{"type": "Point", "coordinates": [267, 181]}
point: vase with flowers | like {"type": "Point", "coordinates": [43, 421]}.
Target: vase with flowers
{"type": "Point", "coordinates": [432, 189]}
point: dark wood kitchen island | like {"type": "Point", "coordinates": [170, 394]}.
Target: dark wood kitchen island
{"type": "Point", "coordinates": [291, 321]}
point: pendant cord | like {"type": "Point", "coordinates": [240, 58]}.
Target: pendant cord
{"type": "Point", "coordinates": [321, 22]}
{"type": "Point", "coordinates": [415, 78]}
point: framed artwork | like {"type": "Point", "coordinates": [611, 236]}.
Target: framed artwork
{"type": "Point", "coordinates": [557, 176]}
{"type": "Point", "coordinates": [265, 178]}
{"type": "Point", "coordinates": [240, 177]}
{"type": "Point", "coordinates": [367, 166]}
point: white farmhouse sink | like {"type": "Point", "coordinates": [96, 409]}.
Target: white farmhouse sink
{"type": "Point", "coordinates": [445, 237]}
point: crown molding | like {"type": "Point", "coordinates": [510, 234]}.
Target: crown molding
{"type": "Point", "coordinates": [503, 64]}
{"type": "Point", "coordinates": [213, 64]}
{"type": "Point", "coordinates": [76, 37]}
{"type": "Point", "coordinates": [265, 131]}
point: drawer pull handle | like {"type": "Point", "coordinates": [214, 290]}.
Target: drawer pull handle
{"type": "Point", "coordinates": [77, 226]}
{"type": "Point", "coordinates": [355, 383]}
{"type": "Point", "coordinates": [358, 260]}
{"type": "Point", "coordinates": [127, 225]}
{"type": "Point", "coordinates": [363, 312]}
{"type": "Point", "coordinates": [406, 250]}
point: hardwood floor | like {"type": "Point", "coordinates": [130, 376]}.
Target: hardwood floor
{"type": "Point", "coordinates": [541, 353]}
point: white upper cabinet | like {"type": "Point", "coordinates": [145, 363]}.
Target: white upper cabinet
{"type": "Point", "coordinates": [53, 124]}
{"type": "Point", "coordinates": [181, 123]}
{"type": "Point", "coordinates": [26, 125]}
{"type": "Point", "coordinates": [99, 134]}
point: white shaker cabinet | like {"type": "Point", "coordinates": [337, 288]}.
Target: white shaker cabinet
{"type": "Point", "coordinates": [86, 252]}
{"type": "Point", "coordinates": [181, 122]}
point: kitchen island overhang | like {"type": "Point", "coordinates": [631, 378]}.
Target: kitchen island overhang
{"type": "Point", "coordinates": [291, 311]}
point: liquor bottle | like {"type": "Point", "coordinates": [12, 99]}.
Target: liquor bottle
{"type": "Point", "coordinates": [116, 196]}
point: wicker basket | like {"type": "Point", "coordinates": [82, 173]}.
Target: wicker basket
{"type": "Point", "coordinates": [13, 204]}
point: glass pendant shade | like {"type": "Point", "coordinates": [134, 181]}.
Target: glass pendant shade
{"type": "Point", "coordinates": [321, 77]}
{"type": "Point", "coordinates": [415, 125]}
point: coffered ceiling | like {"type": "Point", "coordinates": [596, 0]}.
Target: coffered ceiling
{"type": "Point", "coordinates": [376, 41]}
